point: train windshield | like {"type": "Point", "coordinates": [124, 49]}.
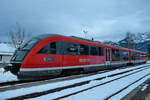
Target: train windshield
{"type": "Point", "coordinates": [19, 56]}
{"type": "Point", "coordinates": [29, 44]}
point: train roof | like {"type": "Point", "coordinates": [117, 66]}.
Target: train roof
{"type": "Point", "coordinates": [43, 36]}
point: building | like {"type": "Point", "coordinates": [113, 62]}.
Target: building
{"type": "Point", "coordinates": [6, 51]}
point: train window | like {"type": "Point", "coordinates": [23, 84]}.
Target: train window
{"type": "Point", "coordinates": [143, 56]}
{"type": "Point", "coordinates": [138, 56]}
{"type": "Point", "coordinates": [101, 51]}
{"type": "Point", "coordinates": [0, 57]}
{"type": "Point", "coordinates": [135, 56]}
{"type": "Point", "coordinates": [19, 55]}
{"type": "Point", "coordinates": [70, 48]}
{"type": "Point", "coordinates": [44, 50]}
{"type": "Point", "coordinates": [84, 49]}
{"type": "Point", "coordinates": [93, 51]}
{"type": "Point", "coordinates": [73, 48]}
{"type": "Point", "coordinates": [52, 49]}
{"type": "Point", "coordinates": [124, 55]}
{"type": "Point", "coordinates": [115, 55]}
{"type": "Point", "coordinates": [48, 49]}
{"type": "Point", "coordinates": [29, 44]}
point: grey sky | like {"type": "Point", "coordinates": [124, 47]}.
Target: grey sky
{"type": "Point", "coordinates": [104, 19]}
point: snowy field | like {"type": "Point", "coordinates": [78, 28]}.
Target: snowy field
{"type": "Point", "coordinates": [98, 93]}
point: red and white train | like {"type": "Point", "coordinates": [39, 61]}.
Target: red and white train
{"type": "Point", "coordinates": [51, 55]}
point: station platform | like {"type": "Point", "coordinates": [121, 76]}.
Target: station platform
{"type": "Point", "coordinates": [142, 92]}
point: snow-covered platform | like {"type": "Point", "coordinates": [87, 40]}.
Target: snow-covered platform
{"type": "Point", "coordinates": [142, 92]}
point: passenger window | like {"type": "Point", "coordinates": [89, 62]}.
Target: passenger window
{"type": "Point", "coordinates": [52, 48]}
{"type": "Point", "coordinates": [101, 51]}
{"type": "Point", "coordinates": [73, 48]}
{"type": "Point", "coordinates": [70, 48]}
{"type": "Point", "coordinates": [93, 51]}
{"type": "Point", "coordinates": [44, 50]}
{"type": "Point", "coordinates": [135, 56]}
{"type": "Point", "coordinates": [115, 55]}
{"type": "Point", "coordinates": [124, 55]}
{"type": "Point", "coordinates": [0, 58]}
{"type": "Point", "coordinates": [48, 49]}
{"type": "Point", "coordinates": [84, 50]}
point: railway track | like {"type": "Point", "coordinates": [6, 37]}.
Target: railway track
{"type": "Point", "coordinates": [5, 86]}
{"type": "Point", "coordinates": [101, 84]}
{"type": "Point", "coordinates": [126, 87]}
{"type": "Point", "coordinates": [114, 77]}
{"type": "Point", "coordinates": [2, 84]}
{"type": "Point", "coordinates": [9, 83]}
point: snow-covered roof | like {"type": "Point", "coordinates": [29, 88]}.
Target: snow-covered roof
{"type": "Point", "coordinates": [6, 49]}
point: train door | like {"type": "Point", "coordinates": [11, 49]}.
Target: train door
{"type": "Point", "coordinates": [107, 56]}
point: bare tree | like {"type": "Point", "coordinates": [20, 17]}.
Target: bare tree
{"type": "Point", "coordinates": [17, 35]}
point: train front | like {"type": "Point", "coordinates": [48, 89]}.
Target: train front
{"type": "Point", "coordinates": [19, 56]}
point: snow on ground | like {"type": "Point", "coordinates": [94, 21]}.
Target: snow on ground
{"type": "Point", "coordinates": [98, 93]}
{"type": "Point", "coordinates": [128, 90]}
{"type": "Point", "coordinates": [101, 92]}
{"type": "Point", "coordinates": [148, 61]}
{"type": "Point", "coordinates": [6, 76]}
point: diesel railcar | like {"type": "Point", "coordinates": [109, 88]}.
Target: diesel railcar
{"type": "Point", "coordinates": [51, 55]}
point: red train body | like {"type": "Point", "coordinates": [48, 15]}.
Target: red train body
{"type": "Point", "coordinates": [50, 55]}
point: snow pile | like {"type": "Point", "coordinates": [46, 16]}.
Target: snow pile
{"type": "Point", "coordinates": [6, 76]}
